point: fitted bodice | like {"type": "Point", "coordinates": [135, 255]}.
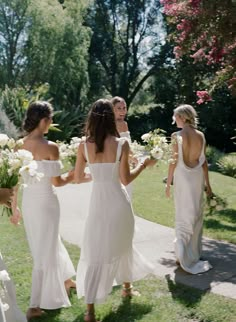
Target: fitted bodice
{"type": "Point", "coordinates": [106, 172]}
{"type": "Point", "coordinates": [48, 169]}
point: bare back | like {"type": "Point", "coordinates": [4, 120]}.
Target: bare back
{"type": "Point", "coordinates": [41, 148]}
{"type": "Point", "coordinates": [109, 153]}
{"type": "Point", "coordinates": [193, 141]}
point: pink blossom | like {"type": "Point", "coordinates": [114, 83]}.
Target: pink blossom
{"type": "Point", "coordinates": [203, 97]}
{"type": "Point", "coordinates": [198, 55]}
{"type": "Point", "coordinates": [178, 52]}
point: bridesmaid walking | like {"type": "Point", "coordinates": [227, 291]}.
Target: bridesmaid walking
{"type": "Point", "coordinates": [190, 171]}
{"type": "Point", "coordinates": [52, 267]}
{"type": "Point", "coordinates": [107, 254]}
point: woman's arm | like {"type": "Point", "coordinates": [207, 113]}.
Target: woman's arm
{"type": "Point", "coordinates": [206, 176]}
{"type": "Point", "coordinates": [59, 181]}
{"type": "Point", "coordinates": [127, 176]}
{"type": "Point", "coordinates": [172, 164]}
{"type": "Point", "coordinates": [80, 176]}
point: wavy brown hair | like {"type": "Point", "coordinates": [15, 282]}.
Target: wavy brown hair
{"type": "Point", "coordinates": [100, 123]}
{"type": "Point", "coordinates": [35, 113]}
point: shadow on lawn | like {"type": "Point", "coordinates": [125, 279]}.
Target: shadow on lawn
{"type": "Point", "coordinates": [126, 312]}
{"type": "Point", "coordinates": [228, 215]}
{"type": "Point", "coordinates": [185, 295]}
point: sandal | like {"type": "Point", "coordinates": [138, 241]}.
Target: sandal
{"type": "Point", "coordinates": [127, 292]}
{"type": "Point", "coordinates": [34, 312]}
{"type": "Point", "coordinates": [90, 317]}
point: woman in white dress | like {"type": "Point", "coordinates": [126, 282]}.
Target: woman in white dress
{"type": "Point", "coordinates": [120, 111]}
{"type": "Point", "coordinates": [190, 172]}
{"type": "Point", "coordinates": [9, 310]}
{"type": "Point", "coordinates": [52, 267]}
{"type": "Point", "coordinates": [107, 254]}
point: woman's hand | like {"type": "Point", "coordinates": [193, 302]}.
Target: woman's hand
{"type": "Point", "coordinates": [16, 217]}
{"type": "Point", "coordinates": [6, 196]}
{"type": "Point", "coordinates": [149, 162]}
{"type": "Point", "coordinates": [167, 191]}
{"type": "Point", "coordinates": [208, 190]}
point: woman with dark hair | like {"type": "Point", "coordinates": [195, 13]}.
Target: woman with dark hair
{"type": "Point", "coordinates": [52, 267]}
{"type": "Point", "coordinates": [107, 253]}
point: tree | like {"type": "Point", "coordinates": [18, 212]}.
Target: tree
{"type": "Point", "coordinates": [126, 35]}
{"type": "Point", "coordinates": [206, 31]}
{"type": "Point", "coordinates": [13, 29]}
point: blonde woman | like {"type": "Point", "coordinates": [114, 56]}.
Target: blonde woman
{"type": "Point", "coordinates": [190, 172]}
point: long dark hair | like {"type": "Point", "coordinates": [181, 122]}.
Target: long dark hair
{"type": "Point", "coordinates": [100, 123]}
{"type": "Point", "coordinates": [35, 113]}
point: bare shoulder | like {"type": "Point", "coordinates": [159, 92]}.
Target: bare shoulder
{"type": "Point", "coordinates": [200, 134]}
{"type": "Point", "coordinates": [53, 150]}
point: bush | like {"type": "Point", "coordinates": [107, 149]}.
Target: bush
{"type": "Point", "coordinates": [6, 126]}
{"type": "Point", "coordinates": [227, 165]}
{"type": "Point", "coordinates": [213, 155]}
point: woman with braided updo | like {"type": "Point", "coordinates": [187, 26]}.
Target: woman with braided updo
{"type": "Point", "coordinates": [52, 267]}
{"type": "Point", "coordinates": [190, 171]}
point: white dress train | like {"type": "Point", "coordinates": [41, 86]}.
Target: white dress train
{"type": "Point", "coordinates": [9, 310]}
{"type": "Point", "coordinates": [51, 262]}
{"type": "Point", "coordinates": [188, 198]}
{"type": "Point", "coordinates": [107, 254]}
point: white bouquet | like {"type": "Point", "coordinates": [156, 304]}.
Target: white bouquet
{"type": "Point", "coordinates": [68, 151]}
{"type": "Point", "coordinates": [156, 143]}
{"type": "Point", "coordinates": [14, 164]}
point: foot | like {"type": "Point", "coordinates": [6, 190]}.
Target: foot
{"type": "Point", "coordinates": [90, 317]}
{"type": "Point", "coordinates": [34, 312]}
{"type": "Point", "coordinates": [69, 284]}
{"type": "Point", "coordinates": [128, 292]}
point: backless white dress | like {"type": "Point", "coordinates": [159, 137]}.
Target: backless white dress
{"type": "Point", "coordinates": [107, 254]}
{"type": "Point", "coordinates": [51, 262]}
{"type": "Point", "coordinates": [188, 198]}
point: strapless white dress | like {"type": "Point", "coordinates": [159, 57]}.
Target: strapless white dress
{"type": "Point", "coordinates": [51, 262]}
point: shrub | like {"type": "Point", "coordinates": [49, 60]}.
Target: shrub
{"type": "Point", "coordinates": [227, 165]}
{"type": "Point", "coordinates": [213, 155]}
{"type": "Point", "coordinates": [6, 126]}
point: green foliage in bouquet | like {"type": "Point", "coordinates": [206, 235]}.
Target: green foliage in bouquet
{"type": "Point", "coordinates": [215, 203]}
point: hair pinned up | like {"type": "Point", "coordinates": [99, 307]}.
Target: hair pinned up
{"type": "Point", "coordinates": [188, 112]}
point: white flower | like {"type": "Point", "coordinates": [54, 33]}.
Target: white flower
{"type": "Point", "coordinates": [25, 156]}
{"type": "Point", "coordinates": [29, 173]}
{"type": "Point", "coordinates": [3, 139]}
{"type": "Point", "coordinates": [156, 153]}
{"type": "Point", "coordinates": [145, 137]}
{"type": "Point", "coordinates": [4, 276]}
{"type": "Point", "coordinates": [4, 306]}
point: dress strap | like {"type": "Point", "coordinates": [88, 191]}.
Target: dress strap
{"type": "Point", "coordinates": [86, 152]}
{"type": "Point", "coordinates": [118, 152]}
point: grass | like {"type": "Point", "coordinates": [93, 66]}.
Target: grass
{"type": "Point", "coordinates": [149, 202]}
{"type": "Point", "coordinates": [161, 300]}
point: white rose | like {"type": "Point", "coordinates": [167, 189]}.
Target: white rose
{"type": "Point", "coordinates": [156, 153]}
{"type": "Point", "coordinates": [3, 139]}
{"type": "Point", "coordinates": [145, 137]}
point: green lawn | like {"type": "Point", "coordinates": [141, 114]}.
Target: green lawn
{"type": "Point", "coordinates": [161, 300]}
{"type": "Point", "coordinates": [149, 202]}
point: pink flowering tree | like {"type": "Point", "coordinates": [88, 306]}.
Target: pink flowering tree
{"type": "Point", "coordinates": [205, 30]}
